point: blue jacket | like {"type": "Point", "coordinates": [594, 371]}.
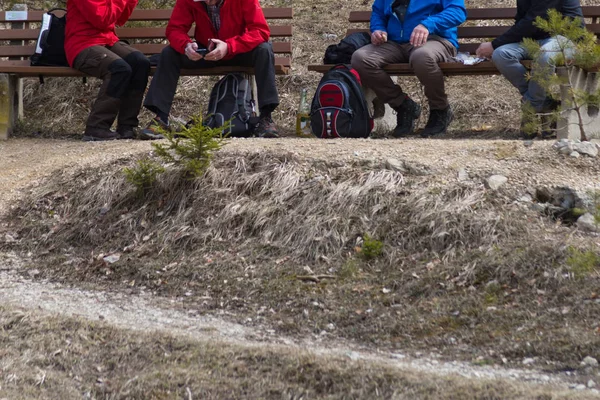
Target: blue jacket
{"type": "Point", "coordinates": [440, 17]}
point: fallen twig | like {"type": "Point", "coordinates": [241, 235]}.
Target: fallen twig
{"type": "Point", "coordinates": [314, 278]}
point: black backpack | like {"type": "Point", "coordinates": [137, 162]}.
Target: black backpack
{"type": "Point", "coordinates": [50, 47]}
{"type": "Point", "coordinates": [339, 108]}
{"type": "Point", "coordinates": [341, 53]}
{"type": "Point", "coordinates": [231, 99]}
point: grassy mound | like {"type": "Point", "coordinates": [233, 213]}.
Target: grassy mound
{"type": "Point", "coordinates": [308, 246]}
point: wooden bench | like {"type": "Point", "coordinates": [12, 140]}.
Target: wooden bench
{"type": "Point", "coordinates": [15, 64]}
{"type": "Point", "coordinates": [473, 32]}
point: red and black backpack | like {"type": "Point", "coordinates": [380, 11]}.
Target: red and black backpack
{"type": "Point", "coordinates": [339, 107]}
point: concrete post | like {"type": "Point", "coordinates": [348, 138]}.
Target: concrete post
{"type": "Point", "coordinates": [7, 117]}
{"type": "Point", "coordinates": [568, 124]}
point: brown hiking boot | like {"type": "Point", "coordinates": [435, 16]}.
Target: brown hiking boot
{"type": "Point", "coordinates": [266, 128]}
{"type": "Point", "coordinates": [151, 131]}
{"type": "Point", "coordinates": [99, 135]}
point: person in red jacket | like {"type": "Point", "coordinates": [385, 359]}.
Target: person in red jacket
{"type": "Point", "coordinates": [235, 32]}
{"type": "Point", "coordinates": [92, 47]}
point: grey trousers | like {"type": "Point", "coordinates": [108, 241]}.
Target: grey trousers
{"type": "Point", "coordinates": [164, 83]}
{"type": "Point", "coordinates": [370, 60]}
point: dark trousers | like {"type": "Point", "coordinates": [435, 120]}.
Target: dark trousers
{"type": "Point", "coordinates": [370, 60]}
{"type": "Point", "coordinates": [159, 98]}
{"type": "Point", "coordinates": [124, 72]}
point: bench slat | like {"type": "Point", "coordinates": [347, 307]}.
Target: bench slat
{"type": "Point", "coordinates": [159, 15]}
{"type": "Point", "coordinates": [26, 51]}
{"type": "Point", "coordinates": [474, 32]}
{"type": "Point", "coordinates": [484, 68]}
{"type": "Point", "coordinates": [478, 14]}
{"type": "Point", "coordinates": [128, 33]}
{"type": "Point", "coordinates": [22, 68]}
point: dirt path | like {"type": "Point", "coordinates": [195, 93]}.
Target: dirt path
{"type": "Point", "coordinates": [142, 313]}
{"type": "Point", "coordinates": [26, 162]}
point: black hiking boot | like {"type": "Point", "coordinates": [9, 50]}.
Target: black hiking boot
{"type": "Point", "coordinates": [126, 132]}
{"type": "Point", "coordinates": [406, 116]}
{"type": "Point", "coordinates": [97, 135]}
{"type": "Point", "coordinates": [438, 122]}
{"type": "Point", "coordinates": [549, 126]}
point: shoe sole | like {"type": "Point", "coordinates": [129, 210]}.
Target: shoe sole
{"type": "Point", "coordinates": [145, 136]}
{"type": "Point", "coordinates": [416, 115]}
{"type": "Point", "coordinates": [97, 139]}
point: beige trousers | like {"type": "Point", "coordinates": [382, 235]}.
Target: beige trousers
{"type": "Point", "coordinates": [370, 60]}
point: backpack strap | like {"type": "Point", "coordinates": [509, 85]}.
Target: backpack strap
{"type": "Point", "coordinates": [241, 100]}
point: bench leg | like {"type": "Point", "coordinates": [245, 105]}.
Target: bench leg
{"type": "Point", "coordinates": [20, 107]}
{"type": "Point", "coordinates": [252, 80]}
{"type": "Point", "coordinates": [8, 86]}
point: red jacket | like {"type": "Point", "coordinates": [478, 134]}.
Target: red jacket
{"type": "Point", "coordinates": [92, 23]}
{"type": "Point", "coordinates": [243, 25]}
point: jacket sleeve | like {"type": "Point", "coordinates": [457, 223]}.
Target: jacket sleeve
{"type": "Point", "coordinates": [524, 27]}
{"type": "Point", "coordinates": [179, 25]}
{"type": "Point", "coordinates": [124, 17]}
{"type": "Point", "coordinates": [256, 29]}
{"type": "Point", "coordinates": [452, 15]}
{"type": "Point", "coordinates": [102, 14]}
{"type": "Point", "coordinates": [378, 19]}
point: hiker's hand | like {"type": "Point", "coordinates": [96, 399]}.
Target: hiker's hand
{"type": "Point", "coordinates": [218, 49]}
{"type": "Point", "coordinates": [485, 50]}
{"type": "Point", "coordinates": [378, 37]}
{"type": "Point", "coordinates": [190, 52]}
{"type": "Point", "coordinates": [419, 36]}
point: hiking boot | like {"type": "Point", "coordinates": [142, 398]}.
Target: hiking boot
{"type": "Point", "coordinates": [406, 116]}
{"type": "Point", "coordinates": [126, 132]}
{"type": "Point", "coordinates": [266, 128]}
{"type": "Point", "coordinates": [438, 122]}
{"type": "Point", "coordinates": [99, 135]}
{"type": "Point", "coordinates": [151, 131]}
{"type": "Point", "coordinates": [550, 105]}
{"type": "Point", "coordinates": [548, 126]}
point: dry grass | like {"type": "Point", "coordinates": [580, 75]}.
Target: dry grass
{"type": "Point", "coordinates": [464, 271]}
{"type": "Point", "coordinates": [45, 357]}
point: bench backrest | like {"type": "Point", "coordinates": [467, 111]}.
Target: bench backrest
{"type": "Point", "coordinates": [470, 31]}
{"type": "Point", "coordinates": [147, 39]}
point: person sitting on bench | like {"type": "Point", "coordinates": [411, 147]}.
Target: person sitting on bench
{"type": "Point", "coordinates": [423, 33]}
{"type": "Point", "coordinates": [92, 47]}
{"type": "Point", "coordinates": [233, 33]}
{"type": "Point", "coordinates": [507, 52]}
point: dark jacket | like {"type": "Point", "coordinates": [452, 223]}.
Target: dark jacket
{"type": "Point", "coordinates": [528, 11]}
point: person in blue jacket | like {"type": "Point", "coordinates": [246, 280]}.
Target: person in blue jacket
{"type": "Point", "coordinates": [423, 33]}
